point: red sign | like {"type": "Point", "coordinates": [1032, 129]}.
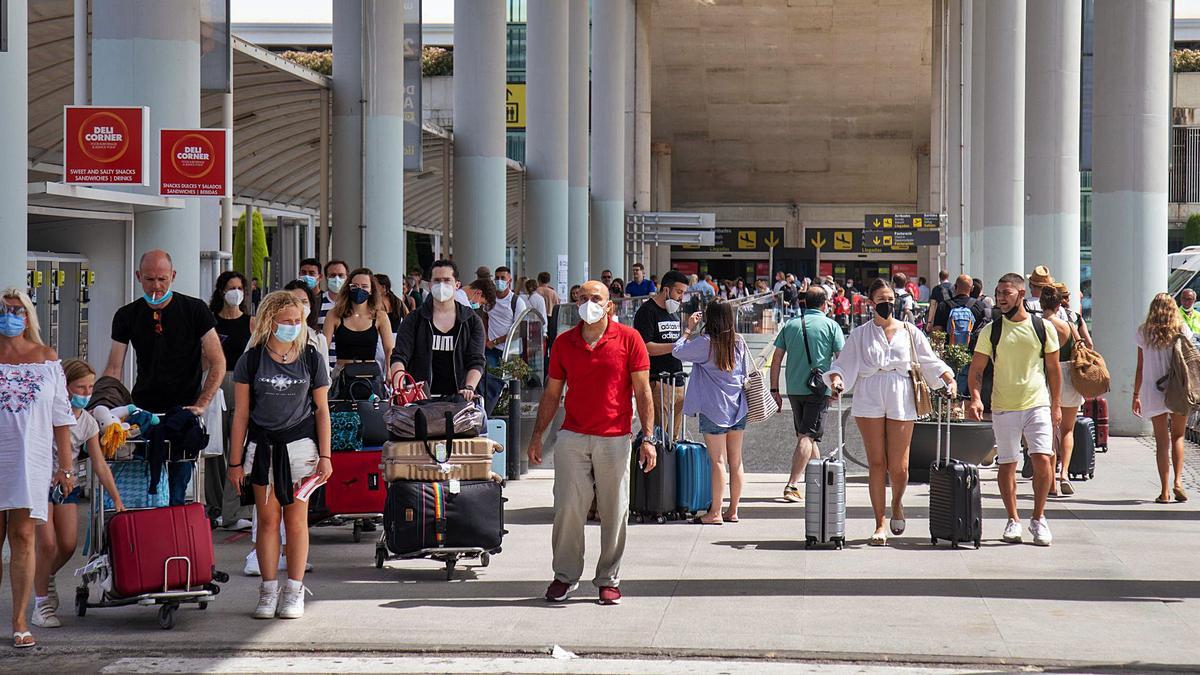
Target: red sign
{"type": "Point", "coordinates": [686, 266]}
{"type": "Point", "coordinates": [106, 145]}
{"type": "Point", "coordinates": [826, 270]}
{"type": "Point", "coordinates": [907, 269]}
{"type": "Point", "coordinates": [195, 163]}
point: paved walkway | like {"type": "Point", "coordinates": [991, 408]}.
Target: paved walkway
{"type": "Point", "coordinates": [1120, 587]}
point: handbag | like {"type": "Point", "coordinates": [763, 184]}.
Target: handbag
{"type": "Point", "coordinates": [358, 377]}
{"type": "Point", "coordinates": [760, 405]}
{"type": "Point", "coordinates": [345, 430]}
{"type": "Point", "coordinates": [1089, 372]}
{"type": "Point", "coordinates": [468, 418]}
{"type": "Point", "coordinates": [372, 429]}
{"type": "Point", "coordinates": [922, 394]}
{"type": "Point", "coordinates": [406, 389]}
{"type": "Point", "coordinates": [815, 381]}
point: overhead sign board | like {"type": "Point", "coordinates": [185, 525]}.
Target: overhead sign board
{"type": "Point", "coordinates": [514, 105]}
{"type": "Point", "coordinates": [106, 145]}
{"type": "Point", "coordinates": [855, 240]}
{"type": "Point", "coordinates": [743, 239]}
{"type": "Point", "coordinates": [195, 163]}
{"type": "Point", "coordinates": [888, 221]}
{"type": "Point", "coordinates": [412, 85]}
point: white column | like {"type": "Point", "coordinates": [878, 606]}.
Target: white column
{"type": "Point", "coordinates": [607, 232]}
{"type": "Point", "coordinates": [226, 245]}
{"type": "Point", "coordinates": [1131, 119]}
{"type": "Point", "coordinates": [977, 76]}
{"type": "Point", "coordinates": [347, 132]}
{"type": "Point", "coordinates": [480, 186]}
{"type": "Point", "coordinates": [14, 173]}
{"type": "Point", "coordinates": [546, 146]}
{"type": "Point", "coordinates": [148, 53]}
{"type": "Point", "coordinates": [1053, 49]}
{"type": "Point", "coordinates": [637, 117]}
{"type": "Point", "coordinates": [660, 200]}
{"type": "Point", "coordinates": [578, 206]}
{"type": "Point", "coordinates": [958, 136]}
{"type": "Point", "coordinates": [383, 146]}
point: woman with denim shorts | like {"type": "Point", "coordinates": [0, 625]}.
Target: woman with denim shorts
{"type": "Point", "coordinates": [715, 394]}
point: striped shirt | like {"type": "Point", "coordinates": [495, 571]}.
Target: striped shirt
{"type": "Point", "coordinates": [326, 306]}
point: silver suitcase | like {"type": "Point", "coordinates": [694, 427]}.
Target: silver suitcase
{"type": "Point", "coordinates": [825, 496]}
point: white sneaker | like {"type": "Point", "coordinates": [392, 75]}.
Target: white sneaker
{"type": "Point", "coordinates": [291, 606]}
{"type": "Point", "coordinates": [268, 600]}
{"type": "Point", "coordinates": [241, 525]}
{"type": "Point", "coordinates": [1012, 532]}
{"type": "Point", "coordinates": [1041, 532]}
{"type": "Point", "coordinates": [52, 594]}
{"type": "Point", "coordinates": [251, 568]}
{"type": "Point", "coordinates": [43, 616]}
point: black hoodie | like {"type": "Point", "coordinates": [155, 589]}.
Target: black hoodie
{"type": "Point", "coordinates": [414, 344]}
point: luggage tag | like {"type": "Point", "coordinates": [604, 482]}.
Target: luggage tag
{"type": "Point", "coordinates": [455, 486]}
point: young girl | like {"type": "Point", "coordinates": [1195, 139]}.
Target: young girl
{"type": "Point", "coordinates": [56, 538]}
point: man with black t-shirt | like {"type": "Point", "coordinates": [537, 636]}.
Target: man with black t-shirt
{"type": "Point", "coordinates": [961, 298]}
{"type": "Point", "coordinates": [658, 322]}
{"type": "Point", "coordinates": [170, 333]}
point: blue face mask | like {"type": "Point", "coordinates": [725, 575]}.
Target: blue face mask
{"type": "Point", "coordinates": [501, 285]}
{"type": "Point", "coordinates": [474, 305]}
{"type": "Point", "coordinates": [287, 332]}
{"type": "Point", "coordinates": [11, 325]}
{"type": "Point", "coordinates": [79, 402]}
{"type": "Point", "coordinates": [358, 296]}
{"type": "Point", "coordinates": [309, 281]}
{"type": "Point", "coordinates": [155, 303]}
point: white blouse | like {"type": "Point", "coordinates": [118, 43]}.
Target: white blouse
{"type": "Point", "coordinates": [868, 352]}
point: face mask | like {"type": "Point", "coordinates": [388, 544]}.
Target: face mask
{"type": "Point", "coordinates": [11, 325]}
{"type": "Point", "coordinates": [358, 296]}
{"type": "Point", "coordinates": [309, 280]}
{"type": "Point", "coordinates": [474, 305]}
{"type": "Point", "coordinates": [286, 332]}
{"type": "Point", "coordinates": [234, 297]}
{"type": "Point", "coordinates": [335, 284]}
{"type": "Point", "coordinates": [79, 402]}
{"type": "Point", "coordinates": [885, 309]}
{"type": "Point", "coordinates": [307, 311]}
{"type": "Point", "coordinates": [591, 312]}
{"type": "Point", "coordinates": [442, 292]}
{"type": "Point", "coordinates": [1013, 312]}
{"type": "Point", "coordinates": [501, 285]}
{"type": "Point", "coordinates": [161, 299]}
{"type": "Point", "coordinates": [672, 306]}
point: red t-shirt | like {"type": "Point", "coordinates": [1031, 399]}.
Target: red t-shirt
{"type": "Point", "coordinates": [599, 386]}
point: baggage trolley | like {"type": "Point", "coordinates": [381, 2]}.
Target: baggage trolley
{"type": "Point", "coordinates": [448, 556]}
{"type": "Point", "coordinates": [98, 570]}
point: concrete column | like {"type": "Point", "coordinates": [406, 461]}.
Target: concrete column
{"type": "Point", "coordinates": [480, 186]}
{"type": "Point", "coordinates": [348, 131]}
{"type": "Point", "coordinates": [383, 139]}
{"type": "Point", "coordinates": [1131, 119]}
{"type": "Point", "coordinates": [546, 148]}
{"type": "Point", "coordinates": [660, 200]}
{"type": "Point", "coordinates": [226, 245]}
{"type": "Point", "coordinates": [607, 232]}
{"type": "Point", "coordinates": [578, 203]}
{"type": "Point", "coordinates": [637, 114]}
{"type": "Point", "coordinates": [14, 174]}
{"type": "Point", "coordinates": [1055, 35]}
{"type": "Point", "coordinates": [1004, 140]}
{"type": "Point", "coordinates": [958, 136]}
{"type": "Point", "coordinates": [977, 76]}
{"type": "Point", "coordinates": [148, 53]}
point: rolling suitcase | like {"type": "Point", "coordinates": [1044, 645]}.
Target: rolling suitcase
{"type": "Point", "coordinates": [1083, 457]}
{"type": "Point", "coordinates": [356, 487]}
{"type": "Point", "coordinates": [497, 430]}
{"type": "Point", "coordinates": [1097, 409]}
{"type": "Point", "coordinates": [652, 496]}
{"type": "Point", "coordinates": [693, 475]}
{"type": "Point", "coordinates": [825, 496]}
{"type": "Point", "coordinates": [955, 501]}
{"type": "Point", "coordinates": [423, 515]}
{"type": "Point", "coordinates": [160, 550]}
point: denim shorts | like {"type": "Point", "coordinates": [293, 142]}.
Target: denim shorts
{"type": "Point", "coordinates": [710, 427]}
{"type": "Point", "coordinates": [75, 497]}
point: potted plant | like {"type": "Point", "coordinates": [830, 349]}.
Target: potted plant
{"type": "Point", "coordinates": [513, 368]}
{"type": "Point", "coordinates": [970, 441]}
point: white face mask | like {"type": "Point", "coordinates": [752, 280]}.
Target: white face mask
{"type": "Point", "coordinates": [591, 312]}
{"type": "Point", "coordinates": [234, 297]}
{"type": "Point", "coordinates": [335, 284]}
{"type": "Point", "coordinates": [307, 311]}
{"type": "Point", "coordinates": [672, 306]}
{"type": "Point", "coordinates": [442, 291]}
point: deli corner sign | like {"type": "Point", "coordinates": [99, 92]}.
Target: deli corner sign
{"type": "Point", "coordinates": [195, 163]}
{"type": "Point", "coordinates": [106, 145]}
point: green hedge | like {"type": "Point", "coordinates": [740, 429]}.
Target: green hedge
{"type": "Point", "coordinates": [435, 61]}
{"type": "Point", "coordinates": [1186, 60]}
{"type": "Point", "coordinates": [1191, 231]}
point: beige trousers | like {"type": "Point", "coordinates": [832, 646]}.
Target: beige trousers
{"type": "Point", "coordinates": [587, 466]}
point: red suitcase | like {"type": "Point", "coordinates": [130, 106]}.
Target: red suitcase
{"type": "Point", "coordinates": [356, 486]}
{"type": "Point", "coordinates": [143, 543]}
{"type": "Point", "coordinates": [1097, 409]}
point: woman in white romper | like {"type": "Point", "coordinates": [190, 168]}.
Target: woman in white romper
{"type": "Point", "coordinates": [35, 417]}
{"type": "Point", "coordinates": [1155, 342]}
{"type": "Point", "coordinates": [875, 365]}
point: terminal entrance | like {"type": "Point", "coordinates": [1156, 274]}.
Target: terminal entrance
{"type": "Point", "coordinates": [863, 272]}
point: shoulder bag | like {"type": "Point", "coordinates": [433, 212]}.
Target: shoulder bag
{"type": "Point", "coordinates": [1181, 384]}
{"type": "Point", "coordinates": [922, 395]}
{"type": "Point", "coordinates": [816, 384]}
{"type": "Point", "coordinates": [1089, 373]}
{"type": "Point", "coordinates": [760, 405]}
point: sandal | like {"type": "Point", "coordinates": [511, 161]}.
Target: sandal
{"type": "Point", "coordinates": [877, 539]}
{"type": "Point", "coordinates": [23, 640]}
{"type": "Point", "coordinates": [699, 520]}
{"type": "Point", "coordinates": [898, 526]}
{"type": "Point", "coordinates": [1066, 488]}
{"type": "Point", "coordinates": [1162, 500]}
{"type": "Point", "coordinates": [1180, 495]}
{"type": "Point", "coordinates": [728, 518]}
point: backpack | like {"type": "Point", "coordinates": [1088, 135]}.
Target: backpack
{"type": "Point", "coordinates": [904, 307]}
{"type": "Point", "coordinates": [1039, 327]}
{"type": "Point", "coordinates": [960, 324]}
{"type": "Point", "coordinates": [1181, 384]}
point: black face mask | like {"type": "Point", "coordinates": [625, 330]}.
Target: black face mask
{"type": "Point", "coordinates": [885, 309]}
{"type": "Point", "coordinates": [1013, 312]}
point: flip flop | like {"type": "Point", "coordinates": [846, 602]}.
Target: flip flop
{"type": "Point", "coordinates": [898, 526]}
{"type": "Point", "coordinates": [698, 520]}
{"type": "Point", "coordinates": [1066, 488]}
{"type": "Point", "coordinates": [23, 640]}
{"type": "Point", "coordinates": [729, 519]}
{"type": "Point", "coordinates": [1162, 500]}
{"type": "Point", "coordinates": [1180, 495]}
{"type": "Point", "coordinates": [877, 539]}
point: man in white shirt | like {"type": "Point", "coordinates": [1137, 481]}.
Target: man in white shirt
{"type": "Point", "coordinates": [509, 305]}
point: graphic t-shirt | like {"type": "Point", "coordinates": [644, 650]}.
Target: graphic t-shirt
{"type": "Point", "coordinates": [656, 324]}
{"type": "Point", "coordinates": [1019, 372]}
{"type": "Point", "coordinates": [444, 382]}
{"type": "Point", "coordinates": [280, 390]}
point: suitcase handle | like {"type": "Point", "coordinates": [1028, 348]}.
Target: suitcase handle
{"type": "Point", "coordinates": [943, 422]}
{"type": "Point", "coordinates": [167, 573]}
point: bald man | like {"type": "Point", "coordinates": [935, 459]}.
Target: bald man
{"type": "Point", "coordinates": [604, 365]}
{"type": "Point", "coordinates": [961, 298]}
{"type": "Point", "coordinates": [173, 337]}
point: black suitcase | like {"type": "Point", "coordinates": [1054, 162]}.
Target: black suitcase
{"type": "Point", "coordinates": [1083, 457]}
{"type": "Point", "coordinates": [421, 515]}
{"type": "Point", "coordinates": [955, 501]}
{"type": "Point", "coordinates": [652, 496]}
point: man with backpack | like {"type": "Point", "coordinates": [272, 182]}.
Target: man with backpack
{"type": "Point", "coordinates": [906, 304]}
{"type": "Point", "coordinates": [1019, 354]}
{"type": "Point", "coordinates": [960, 316]}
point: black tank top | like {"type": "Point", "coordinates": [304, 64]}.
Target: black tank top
{"type": "Point", "coordinates": [234, 335]}
{"type": "Point", "coordinates": [356, 345]}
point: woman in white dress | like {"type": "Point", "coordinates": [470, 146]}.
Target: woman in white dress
{"type": "Point", "coordinates": [35, 422]}
{"type": "Point", "coordinates": [875, 364]}
{"type": "Point", "coordinates": [1155, 342]}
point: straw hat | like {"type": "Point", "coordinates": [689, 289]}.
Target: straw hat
{"type": "Point", "coordinates": [1062, 289]}
{"type": "Point", "coordinates": [1040, 276]}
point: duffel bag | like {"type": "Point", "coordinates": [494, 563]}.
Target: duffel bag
{"type": "Point", "coordinates": [453, 514]}
{"type": "Point", "coordinates": [468, 418]}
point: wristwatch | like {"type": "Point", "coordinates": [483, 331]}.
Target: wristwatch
{"type": "Point", "coordinates": [469, 387]}
{"type": "Point", "coordinates": [68, 474]}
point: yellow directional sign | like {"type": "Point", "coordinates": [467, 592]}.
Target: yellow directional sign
{"type": "Point", "coordinates": [771, 240]}
{"type": "Point", "coordinates": [747, 239]}
{"type": "Point", "coordinates": [514, 106]}
{"type": "Point", "coordinates": [819, 241]}
{"type": "Point", "coordinates": [843, 240]}
{"type": "Point", "coordinates": [887, 222]}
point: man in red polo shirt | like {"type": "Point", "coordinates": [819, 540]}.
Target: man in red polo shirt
{"type": "Point", "coordinates": [604, 366]}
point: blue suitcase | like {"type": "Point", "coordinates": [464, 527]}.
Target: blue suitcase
{"type": "Point", "coordinates": [693, 476]}
{"type": "Point", "coordinates": [497, 430]}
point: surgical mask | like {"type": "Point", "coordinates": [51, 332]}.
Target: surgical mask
{"type": "Point", "coordinates": [161, 299]}
{"type": "Point", "coordinates": [359, 295]}
{"type": "Point", "coordinates": [234, 297]}
{"type": "Point", "coordinates": [474, 305]}
{"type": "Point", "coordinates": [11, 325]}
{"type": "Point", "coordinates": [286, 332]}
{"type": "Point", "coordinates": [442, 292]}
{"type": "Point", "coordinates": [79, 402]}
{"type": "Point", "coordinates": [335, 284]}
{"type": "Point", "coordinates": [307, 311]}
{"type": "Point", "coordinates": [591, 312]}
{"type": "Point", "coordinates": [501, 285]}
{"type": "Point", "coordinates": [1013, 312]}
{"type": "Point", "coordinates": [885, 309]}
{"type": "Point", "coordinates": [309, 280]}
{"type": "Point", "coordinates": [672, 306]}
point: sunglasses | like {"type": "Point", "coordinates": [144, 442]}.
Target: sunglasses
{"type": "Point", "coordinates": [158, 327]}
{"type": "Point", "coordinates": [14, 311]}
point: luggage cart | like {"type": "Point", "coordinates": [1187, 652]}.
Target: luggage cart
{"type": "Point", "coordinates": [98, 569]}
{"type": "Point", "coordinates": [448, 556]}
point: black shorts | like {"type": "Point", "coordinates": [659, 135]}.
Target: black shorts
{"type": "Point", "coordinates": [808, 414]}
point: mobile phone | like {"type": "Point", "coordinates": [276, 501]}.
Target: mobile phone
{"type": "Point", "coordinates": [57, 496]}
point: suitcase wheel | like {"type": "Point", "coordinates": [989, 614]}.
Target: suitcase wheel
{"type": "Point", "coordinates": [356, 534]}
{"type": "Point", "coordinates": [485, 559]}
{"type": "Point", "coordinates": [380, 556]}
{"type": "Point", "coordinates": [81, 601]}
{"type": "Point", "coordinates": [953, 544]}
{"type": "Point", "coordinates": [810, 542]}
{"type": "Point", "coordinates": [203, 605]}
{"type": "Point", "coordinates": [660, 519]}
{"type": "Point", "coordinates": [839, 543]}
{"type": "Point", "coordinates": [166, 617]}
{"type": "Point", "coordinates": [933, 540]}
{"type": "Point", "coordinates": [977, 544]}
{"type": "Point", "coordinates": [220, 577]}
{"type": "Point", "coordinates": [639, 518]}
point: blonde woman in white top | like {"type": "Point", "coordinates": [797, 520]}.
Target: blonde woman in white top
{"type": "Point", "coordinates": [875, 365]}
